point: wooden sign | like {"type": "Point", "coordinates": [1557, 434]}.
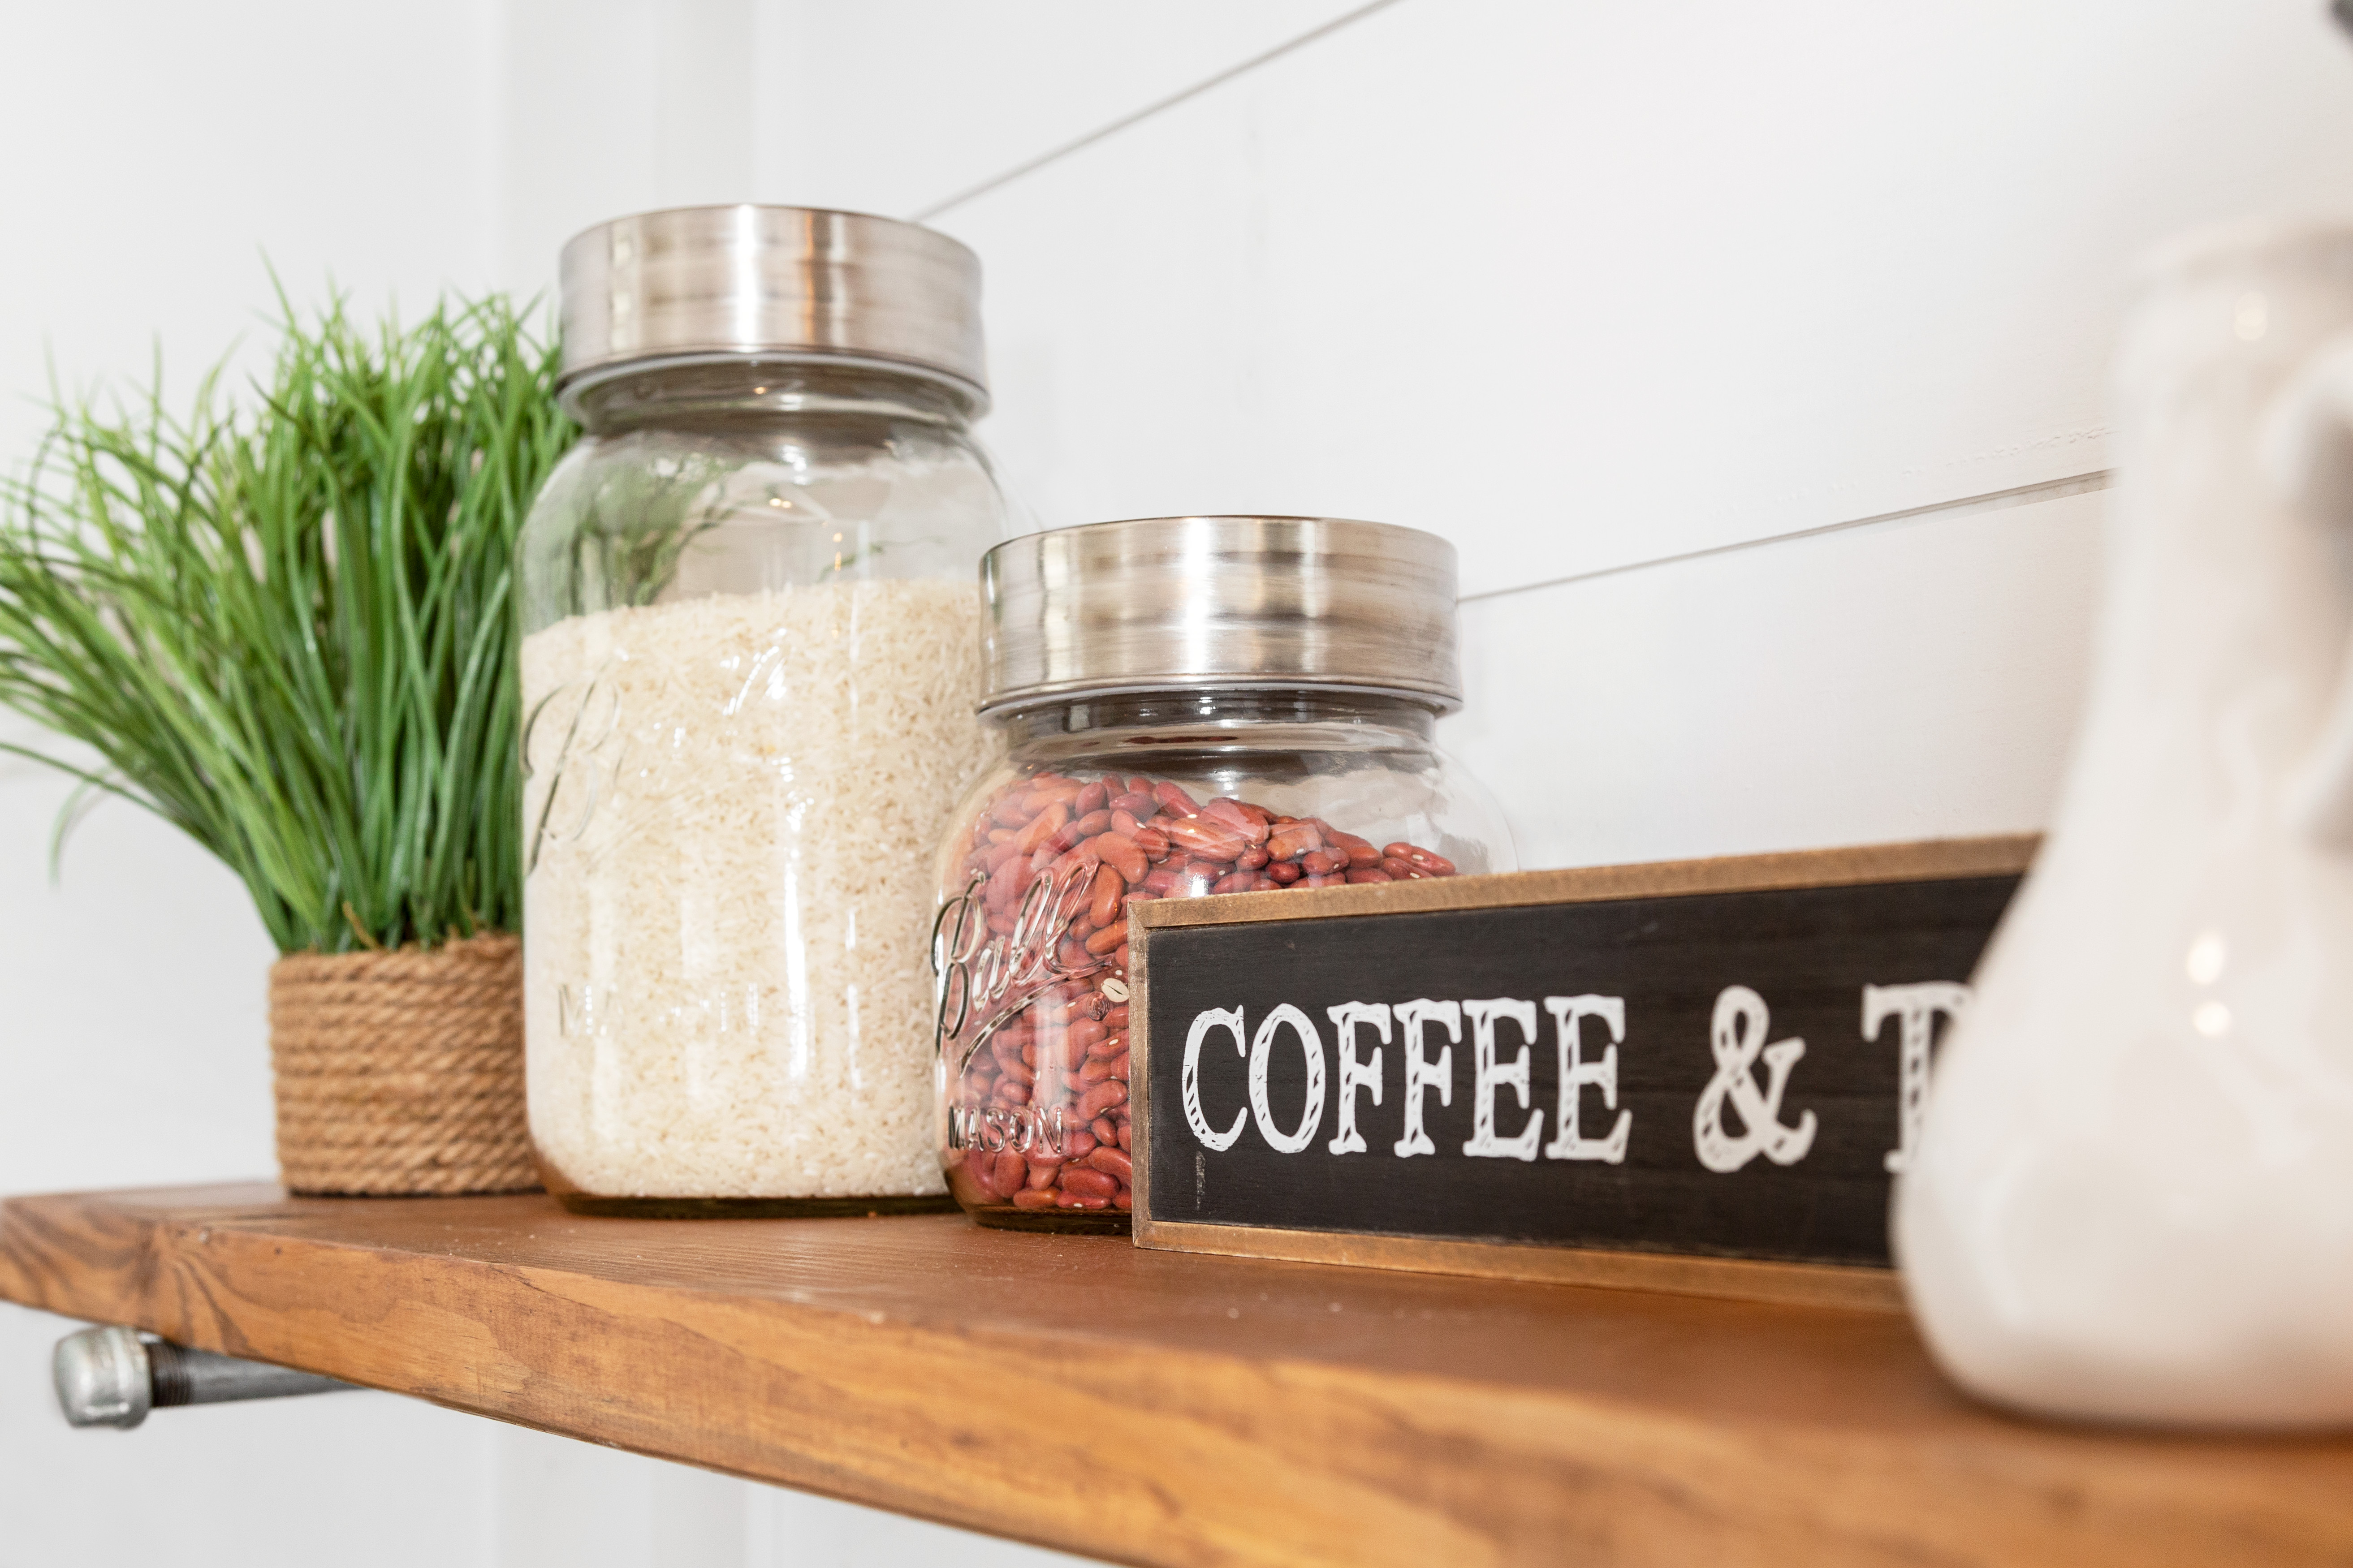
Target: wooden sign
{"type": "Point", "coordinates": [1695, 1076]}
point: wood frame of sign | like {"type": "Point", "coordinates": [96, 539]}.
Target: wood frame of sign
{"type": "Point", "coordinates": [1748, 1039]}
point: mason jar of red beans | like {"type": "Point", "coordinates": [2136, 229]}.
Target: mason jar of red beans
{"type": "Point", "coordinates": [1191, 707]}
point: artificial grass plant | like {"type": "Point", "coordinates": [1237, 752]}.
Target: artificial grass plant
{"type": "Point", "coordinates": [287, 629]}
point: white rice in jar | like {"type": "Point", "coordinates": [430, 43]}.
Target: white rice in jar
{"type": "Point", "coordinates": [731, 807]}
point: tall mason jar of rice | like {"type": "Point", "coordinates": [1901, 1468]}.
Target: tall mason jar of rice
{"type": "Point", "coordinates": [750, 662]}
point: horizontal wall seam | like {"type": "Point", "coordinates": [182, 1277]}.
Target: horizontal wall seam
{"type": "Point", "coordinates": [1147, 111]}
{"type": "Point", "coordinates": [1992, 501]}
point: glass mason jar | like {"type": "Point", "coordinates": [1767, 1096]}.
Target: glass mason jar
{"type": "Point", "coordinates": [749, 663]}
{"type": "Point", "coordinates": [1190, 706]}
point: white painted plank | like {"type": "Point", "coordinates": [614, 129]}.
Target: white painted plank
{"type": "Point", "coordinates": [1584, 285]}
{"type": "Point", "coordinates": [797, 1530]}
{"type": "Point", "coordinates": [133, 1046]}
{"type": "Point", "coordinates": [562, 1503]}
{"type": "Point", "coordinates": [608, 107]}
{"type": "Point", "coordinates": [158, 153]}
{"type": "Point", "coordinates": [1916, 679]}
{"type": "Point", "coordinates": [890, 106]}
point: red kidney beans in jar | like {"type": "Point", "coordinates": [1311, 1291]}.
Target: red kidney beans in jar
{"type": "Point", "coordinates": [1034, 1024]}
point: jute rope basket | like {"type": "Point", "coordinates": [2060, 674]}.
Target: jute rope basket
{"type": "Point", "coordinates": [401, 1073]}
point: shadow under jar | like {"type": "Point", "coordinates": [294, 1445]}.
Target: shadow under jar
{"type": "Point", "coordinates": [749, 652]}
{"type": "Point", "coordinates": [1191, 706]}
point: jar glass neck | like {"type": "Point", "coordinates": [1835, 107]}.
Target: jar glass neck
{"type": "Point", "coordinates": [1219, 720]}
{"type": "Point", "coordinates": [730, 390]}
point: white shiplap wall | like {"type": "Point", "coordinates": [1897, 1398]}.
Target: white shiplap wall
{"type": "Point", "coordinates": [157, 153]}
{"type": "Point", "coordinates": [1584, 285]}
{"type": "Point", "coordinates": [1591, 287]}
{"type": "Point", "coordinates": [1751, 356]}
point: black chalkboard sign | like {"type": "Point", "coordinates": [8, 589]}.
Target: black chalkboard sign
{"type": "Point", "coordinates": [1615, 1074]}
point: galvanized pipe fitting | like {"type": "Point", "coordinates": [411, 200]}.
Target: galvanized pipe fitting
{"type": "Point", "coordinates": [114, 1376]}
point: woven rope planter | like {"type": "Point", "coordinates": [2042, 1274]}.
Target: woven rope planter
{"type": "Point", "coordinates": [401, 1073]}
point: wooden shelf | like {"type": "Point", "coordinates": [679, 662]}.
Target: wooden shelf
{"type": "Point", "coordinates": [1167, 1408]}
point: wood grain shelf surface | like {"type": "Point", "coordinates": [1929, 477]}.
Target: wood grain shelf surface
{"type": "Point", "coordinates": [1157, 1407]}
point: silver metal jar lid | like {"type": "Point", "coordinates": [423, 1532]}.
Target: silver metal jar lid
{"type": "Point", "coordinates": [1163, 603]}
{"type": "Point", "coordinates": [744, 281]}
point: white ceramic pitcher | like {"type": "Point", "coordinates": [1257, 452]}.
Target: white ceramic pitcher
{"type": "Point", "coordinates": [2133, 1196]}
